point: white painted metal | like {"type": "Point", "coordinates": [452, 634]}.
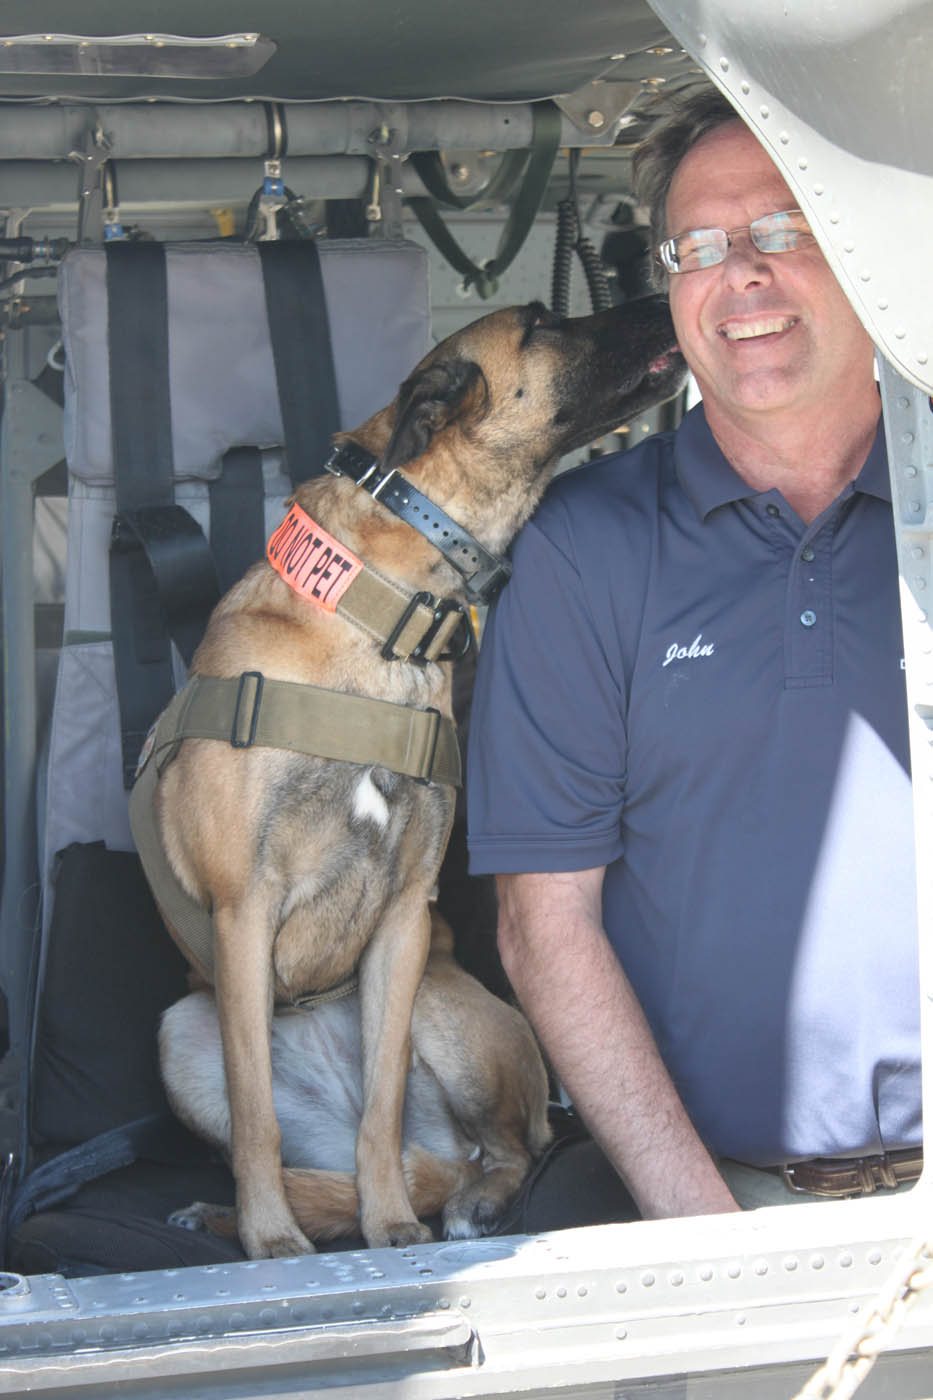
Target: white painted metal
{"type": "Point", "coordinates": [841, 96]}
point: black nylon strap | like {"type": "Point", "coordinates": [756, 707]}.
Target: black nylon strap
{"type": "Point", "coordinates": [59, 1178]}
{"type": "Point", "coordinates": [525, 205]}
{"type": "Point", "coordinates": [140, 414]}
{"type": "Point", "coordinates": [163, 583]}
{"type": "Point", "coordinates": [180, 561]}
{"type": "Point", "coordinates": [238, 535]}
{"type": "Point", "coordinates": [301, 347]}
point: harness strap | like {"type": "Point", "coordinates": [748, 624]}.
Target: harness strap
{"type": "Point", "coordinates": [415, 627]}
{"type": "Point", "coordinates": [250, 709]}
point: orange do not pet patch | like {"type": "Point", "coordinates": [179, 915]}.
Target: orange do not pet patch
{"type": "Point", "coordinates": [311, 561]}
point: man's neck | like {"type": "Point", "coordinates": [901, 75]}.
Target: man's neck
{"type": "Point", "coordinates": [809, 462]}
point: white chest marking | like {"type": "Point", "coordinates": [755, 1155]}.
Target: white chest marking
{"type": "Point", "coordinates": [369, 803]}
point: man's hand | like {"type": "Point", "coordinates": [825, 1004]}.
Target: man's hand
{"type": "Point", "coordinates": [592, 1027]}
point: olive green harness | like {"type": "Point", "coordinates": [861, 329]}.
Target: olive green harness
{"type": "Point", "coordinates": [252, 710]}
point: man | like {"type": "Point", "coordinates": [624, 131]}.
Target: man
{"type": "Point", "coordinates": [689, 764]}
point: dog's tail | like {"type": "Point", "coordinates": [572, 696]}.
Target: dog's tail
{"type": "Point", "coordinates": [327, 1207]}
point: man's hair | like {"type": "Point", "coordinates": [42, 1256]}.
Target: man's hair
{"type": "Point", "coordinates": [694, 115]}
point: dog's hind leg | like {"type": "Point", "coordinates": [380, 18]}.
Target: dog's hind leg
{"type": "Point", "coordinates": [242, 952]}
{"type": "Point", "coordinates": [326, 1204]}
{"type": "Point", "coordinates": [390, 971]}
{"type": "Point", "coordinates": [485, 1057]}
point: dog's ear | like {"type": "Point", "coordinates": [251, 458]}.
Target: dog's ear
{"type": "Point", "coordinates": [431, 400]}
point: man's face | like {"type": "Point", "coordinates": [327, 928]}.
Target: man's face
{"type": "Point", "coordinates": [762, 332]}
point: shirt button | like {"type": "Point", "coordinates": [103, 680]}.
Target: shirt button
{"type": "Point", "coordinates": [772, 509]}
{"type": "Point", "coordinates": [807, 554]}
{"type": "Point", "coordinates": [808, 618]}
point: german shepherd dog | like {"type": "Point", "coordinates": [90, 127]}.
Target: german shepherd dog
{"type": "Point", "coordinates": [315, 869]}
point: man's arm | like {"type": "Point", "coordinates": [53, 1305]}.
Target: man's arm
{"type": "Point", "coordinates": [592, 1027]}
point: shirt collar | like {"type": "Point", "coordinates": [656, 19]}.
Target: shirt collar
{"type": "Point", "coordinates": [709, 481]}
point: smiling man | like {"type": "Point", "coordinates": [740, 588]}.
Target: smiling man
{"type": "Point", "coordinates": [688, 762]}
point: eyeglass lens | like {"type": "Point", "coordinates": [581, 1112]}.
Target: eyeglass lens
{"type": "Point", "coordinates": [782, 232]}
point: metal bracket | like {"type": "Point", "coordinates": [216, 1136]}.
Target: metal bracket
{"type": "Point", "coordinates": [92, 197]}
{"type": "Point", "coordinates": [384, 202]}
{"type": "Point", "coordinates": [597, 107]}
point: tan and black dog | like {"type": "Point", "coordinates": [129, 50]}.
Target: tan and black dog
{"type": "Point", "coordinates": [316, 868]}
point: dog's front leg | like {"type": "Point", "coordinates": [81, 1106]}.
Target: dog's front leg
{"type": "Point", "coordinates": [243, 962]}
{"type": "Point", "coordinates": [390, 972]}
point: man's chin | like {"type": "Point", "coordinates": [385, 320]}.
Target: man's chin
{"type": "Point", "coordinates": [762, 391]}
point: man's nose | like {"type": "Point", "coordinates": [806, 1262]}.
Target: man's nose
{"type": "Point", "coordinates": [745, 265]}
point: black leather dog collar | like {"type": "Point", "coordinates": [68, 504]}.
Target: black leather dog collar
{"type": "Point", "coordinates": [484, 574]}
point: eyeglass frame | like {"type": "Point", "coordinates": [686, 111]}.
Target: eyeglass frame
{"type": "Point", "coordinates": [668, 243]}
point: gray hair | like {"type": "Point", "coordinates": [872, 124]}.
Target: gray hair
{"type": "Point", "coordinates": [655, 162]}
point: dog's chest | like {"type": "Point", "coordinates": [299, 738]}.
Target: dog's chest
{"type": "Point", "coordinates": [368, 842]}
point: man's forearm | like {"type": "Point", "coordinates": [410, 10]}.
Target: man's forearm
{"type": "Point", "coordinates": [592, 1027]}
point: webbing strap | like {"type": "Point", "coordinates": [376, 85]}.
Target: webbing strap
{"type": "Point", "coordinates": [238, 534]}
{"type": "Point", "coordinates": [250, 709]}
{"type": "Point", "coordinates": [299, 329]}
{"type": "Point", "coordinates": [60, 1177]}
{"type": "Point", "coordinates": [525, 205]}
{"type": "Point", "coordinates": [140, 415]}
{"type": "Point", "coordinates": [419, 628]}
{"type": "Point", "coordinates": [163, 583]}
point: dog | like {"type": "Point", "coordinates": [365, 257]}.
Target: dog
{"type": "Point", "coordinates": [315, 868]}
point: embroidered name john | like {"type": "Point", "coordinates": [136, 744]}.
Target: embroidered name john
{"type": "Point", "coordinates": [696, 648]}
{"type": "Point", "coordinates": [311, 561]}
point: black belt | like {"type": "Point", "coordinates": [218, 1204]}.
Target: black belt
{"type": "Point", "coordinates": [853, 1176]}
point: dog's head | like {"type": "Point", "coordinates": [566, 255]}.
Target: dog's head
{"type": "Point", "coordinates": [490, 410]}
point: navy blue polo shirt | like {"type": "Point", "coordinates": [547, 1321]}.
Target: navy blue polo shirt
{"type": "Point", "coordinates": [686, 684]}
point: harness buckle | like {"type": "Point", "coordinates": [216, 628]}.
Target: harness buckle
{"type": "Point", "coordinates": [426, 600]}
{"type": "Point", "coordinates": [445, 607]}
{"type": "Point", "coordinates": [437, 729]}
{"type": "Point", "coordinates": [256, 699]}
{"type": "Point", "coordinates": [442, 609]}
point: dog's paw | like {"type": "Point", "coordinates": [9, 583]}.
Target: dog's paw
{"type": "Point", "coordinates": [470, 1217]}
{"type": "Point", "coordinates": [398, 1235]}
{"type": "Point", "coordinates": [284, 1245]}
{"type": "Point", "coordinates": [205, 1218]}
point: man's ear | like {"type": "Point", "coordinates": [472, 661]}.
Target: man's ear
{"type": "Point", "coordinates": [431, 400]}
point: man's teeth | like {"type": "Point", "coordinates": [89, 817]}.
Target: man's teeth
{"type": "Point", "coordinates": [746, 330]}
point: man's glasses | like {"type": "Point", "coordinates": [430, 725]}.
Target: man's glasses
{"type": "Point", "coordinates": [705, 247]}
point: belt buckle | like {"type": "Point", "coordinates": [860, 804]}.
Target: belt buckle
{"type": "Point", "coordinates": [824, 1187]}
{"type": "Point", "coordinates": [787, 1176]}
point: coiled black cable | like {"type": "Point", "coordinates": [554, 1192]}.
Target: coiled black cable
{"type": "Point", "coordinates": [569, 240]}
{"type": "Point", "coordinates": [565, 241]}
{"type": "Point", "coordinates": [595, 273]}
